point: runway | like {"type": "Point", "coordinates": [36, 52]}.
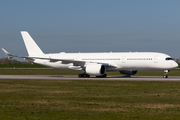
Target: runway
{"type": "Point", "coordinates": [67, 77]}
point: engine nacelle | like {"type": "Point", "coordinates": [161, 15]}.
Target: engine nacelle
{"type": "Point", "coordinates": [95, 69]}
{"type": "Point", "coordinates": [128, 72]}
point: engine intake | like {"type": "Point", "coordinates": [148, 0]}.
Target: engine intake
{"type": "Point", "coordinates": [95, 69]}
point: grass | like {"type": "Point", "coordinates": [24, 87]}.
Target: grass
{"type": "Point", "coordinates": [45, 71]}
{"type": "Point", "coordinates": [77, 100]}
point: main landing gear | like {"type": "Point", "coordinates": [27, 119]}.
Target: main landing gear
{"type": "Point", "coordinates": [83, 75]}
{"type": "Point", "coordinates": [87, 76]}
{"type": "Point", "coordinates": [103, 76]}
{"type": "Point", "coordinates": [165, 73]}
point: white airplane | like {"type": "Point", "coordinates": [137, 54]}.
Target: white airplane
{"type": "Point", "coordinates": [98, 63]}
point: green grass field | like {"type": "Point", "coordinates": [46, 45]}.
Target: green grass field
{"type": "Point", "coordinates": [87, 100]}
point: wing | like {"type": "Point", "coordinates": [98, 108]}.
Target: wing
{"type": "Point", "coordinates": [64, 61]}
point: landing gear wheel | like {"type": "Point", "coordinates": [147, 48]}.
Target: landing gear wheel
{"type": "Point", "coordinates": [83, 76]}
{"type": "Point", "coordinates": [87, 75]}
{"type": "Point", "coordinates": [165, 76]}
{"type": "Point", "coordinates": [103, 76]}
{"type": "Point", "coordinates": [80, 75]}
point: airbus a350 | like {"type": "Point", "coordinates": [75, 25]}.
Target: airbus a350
{"type": "Point", "coordinates": [97, 64]}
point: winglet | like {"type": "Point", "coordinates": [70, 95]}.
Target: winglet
{"type": "Point", "coordinates": [7, 53]}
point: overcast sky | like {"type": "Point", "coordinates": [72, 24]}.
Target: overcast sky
{"type": "Point", "coordinates": [91, 25]}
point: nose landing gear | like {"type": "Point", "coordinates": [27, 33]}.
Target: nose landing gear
{"type": "Point", "coordinates": [165, 73]}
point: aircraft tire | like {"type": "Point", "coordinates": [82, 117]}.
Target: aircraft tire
{"type": "Point", "coordinates": [83, 76]}
{"type": "Point", "coordinates": [80, 75]}
{"type": "Point", "coordinates": [165, 76]}
{"type": "Point", "coordinates": [103, 76]}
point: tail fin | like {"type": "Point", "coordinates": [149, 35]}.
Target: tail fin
{"type": "Point", "coordinates": [32, 48]}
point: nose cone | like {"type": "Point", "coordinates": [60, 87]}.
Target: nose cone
{"type": "Point", "coordinates": [174, 65]}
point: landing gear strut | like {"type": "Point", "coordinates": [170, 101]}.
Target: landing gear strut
{"type": "Point", "coordinates": [83, 75]}
{"type": "Point", "coordinates": [165, 73]}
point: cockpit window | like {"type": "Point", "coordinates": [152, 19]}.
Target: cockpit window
{"type": "Point", "coordinates": [169, 58]}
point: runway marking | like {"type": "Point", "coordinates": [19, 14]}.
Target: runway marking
{"type": "Point", "coordinates": [68, 77]}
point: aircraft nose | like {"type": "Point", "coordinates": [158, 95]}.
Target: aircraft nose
{"type": "Point", "coordinates": [174, 65]}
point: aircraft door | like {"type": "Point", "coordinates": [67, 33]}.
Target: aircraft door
{"type": "Point", "coordinates": [156, 59]}
{"type": "Point", "coordinates": [124, 59]}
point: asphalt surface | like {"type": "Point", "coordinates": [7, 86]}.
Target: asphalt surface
{"type": "Point", "coordinates": [65, 77]}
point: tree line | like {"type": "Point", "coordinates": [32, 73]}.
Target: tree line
{"type": "Point", "coordinates": [9, 60]}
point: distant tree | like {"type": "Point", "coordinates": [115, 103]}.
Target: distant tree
{"type": "Point", "coordinates": [177, 60]}
{"type": "Point", "coordinates": [9, 60]}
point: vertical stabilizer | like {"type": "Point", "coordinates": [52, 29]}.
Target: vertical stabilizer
{"type": "Point", "coordinates": [32, 48]}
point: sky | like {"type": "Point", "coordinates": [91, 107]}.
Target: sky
{"type": "Point", "coordinates": [91, 26]}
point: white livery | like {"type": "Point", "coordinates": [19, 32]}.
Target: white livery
{"type": "Point", "coordinates": [98, 63]}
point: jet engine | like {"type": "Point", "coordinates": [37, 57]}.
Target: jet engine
{"type": "Point", "coordinates": [128, 72]}
{"type": "Point", "coordinates": [95, 69]}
